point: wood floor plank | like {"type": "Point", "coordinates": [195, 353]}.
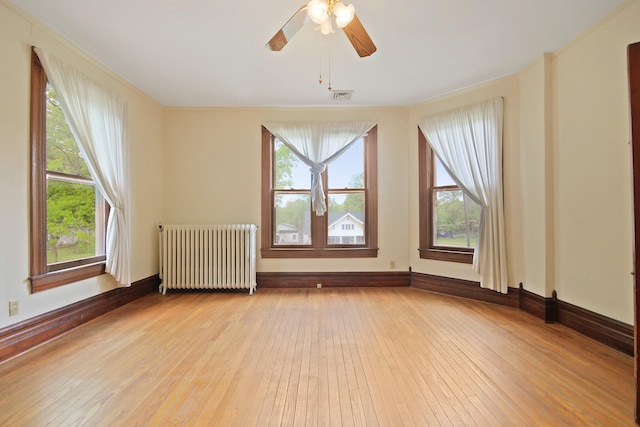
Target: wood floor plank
{"type": "Point", "coordinates": [317, 357]}
{"type": "Point", "coordinates": [454, 344]}
{"type": "Point", "coordinates": [441, 355]}
{"type": "Point", "coordinates": [313, 398]}
{"type": "Point", "coordinates": [399, 374]}
{"type": "Point", "coordinates": [250, 377]}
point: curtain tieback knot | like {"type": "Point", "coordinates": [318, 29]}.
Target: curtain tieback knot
{"type": "Point", "coordinates": [318, 168]}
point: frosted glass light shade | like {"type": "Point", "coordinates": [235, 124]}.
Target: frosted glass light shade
{"type": "Point", "coordinates": [317, 11]}
{"type": "Point", "coordinates": [344, 14]}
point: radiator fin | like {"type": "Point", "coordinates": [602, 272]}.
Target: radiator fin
{"type": "Point", "coordinates": [208, 257]}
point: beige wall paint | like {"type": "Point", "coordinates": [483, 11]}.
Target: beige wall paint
{"type": "Point", "coordinates": [570, 225]}
{"type": "Point", "coordinates": [566, 170]}
{"type": "Point", "coordinates": [592, 184]}
{"type": "Point", "coordinates": [508, 88]}
{"type": "Point", "coordinates": [212, 175]}
{"type": "Point", "coordinates": [536, 173]}
{"type": "Point", "coordinates": [17, 33]}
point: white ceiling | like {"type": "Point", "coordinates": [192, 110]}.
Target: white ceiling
{"type": "Point", "coordinates": [211, 52]}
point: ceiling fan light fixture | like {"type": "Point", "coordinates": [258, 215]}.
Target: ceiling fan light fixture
{"type": "Point", "coordinates": [326, 27]}
{"type": "Point", "coordinates": [317, 11]}
{"type": "Point", "coordinates": [344, 14]}
{"type": "Point", "coordinates": [323, 13]}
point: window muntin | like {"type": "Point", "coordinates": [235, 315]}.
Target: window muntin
{"type": "Point", "coordinates": [291, 229]}
{"type": "Point", "coordinates": [449, 219]}
{"type": "Point", "coordinates": [68, 214]}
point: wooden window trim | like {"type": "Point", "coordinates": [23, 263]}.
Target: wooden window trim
{"type": "Point", "coordinates": [426, 195]}
{"type": "Point", "coordinates": [42, 276]}
{"type": "Point", "coordinates": [319, 248]}
{"type": "Point", "coordinates": [58, 278]}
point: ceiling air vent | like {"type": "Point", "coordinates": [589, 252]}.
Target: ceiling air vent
{"type": "Point", "coordinates": [341, 95]}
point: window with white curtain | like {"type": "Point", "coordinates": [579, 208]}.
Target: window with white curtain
{"type": "Point", "coordinates": [68, 213]}
{"type": "Point", "coordinates": [290, 225]}
{"type": "Point", "coordinates": [468, 142]}
{"type": "Point", "coordinates": [450, 235]}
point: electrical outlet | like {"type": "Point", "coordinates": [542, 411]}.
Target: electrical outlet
{"type": "Point", "coordinates": [14, 308]}
{"type": "Point", "coordinates": [319, 285]}
{"type": "Point", "coordinates": [392, 265]}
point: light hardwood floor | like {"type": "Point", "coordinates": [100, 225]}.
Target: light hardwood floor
{"type": "Point", "coordinates": [326, 357]}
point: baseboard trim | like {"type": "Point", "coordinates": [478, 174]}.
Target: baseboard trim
{"type": "Point", "coordinates": [20, 337]}
{"type": "Point", "coordinates": [464, 288]}
{"type": "Point", "coordinates": [539, 306]}
{"type": "Point", "coordinates": [605, 330]}
{"type": "Point", "coordinates": [333, 279]}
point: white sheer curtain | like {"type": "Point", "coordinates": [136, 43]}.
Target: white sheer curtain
{"type": "Point", "coordinates": [468, 142]}
{"type": "Point", "coordinates": [317, 144]}
{"type": "Point", "coordinates": [97, 119]}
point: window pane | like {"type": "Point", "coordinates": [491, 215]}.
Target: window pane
{"type": "Point", "coordinates": [347, 171]}
{"type": "Point", "coordinates": [63, 154]}
{"type": "Point", "coordinates": [290, 172]}
{"type": "Point", "coordinates": [71, 221]}
{"type": "Point", "coordinates": [293, 219]}
{"type": "Point", "coordinates": [456, 219]}
{"type": "Point", "coordinates": [442, 176]}
{"type": "Point", "coordinates": [346, 219]}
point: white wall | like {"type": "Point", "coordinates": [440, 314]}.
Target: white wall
{"type": "Point", "coordinates": [212, 168]}
{"type": "Point", "coordinates": [17, 33]}
{"type": "Point", "coordinates": [592, 179]}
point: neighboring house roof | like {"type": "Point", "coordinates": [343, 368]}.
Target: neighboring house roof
{"type": "Point", "coordinates": [336, 217]}
{"type": "Point", "coordinates": [333, 219]}
{"type": "Point", "coordinates": [284, 225]}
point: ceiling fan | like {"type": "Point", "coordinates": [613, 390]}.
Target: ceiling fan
{"type": "Point", "coordinates": [320, 11]}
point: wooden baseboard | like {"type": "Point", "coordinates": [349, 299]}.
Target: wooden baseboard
{"type": "Point", "coordinates": [539, 306]}
{"type": "Point", "coordinates": [464, 289]}
{"type": "Point", "coordinates": [20, 337]}
{"type": "Point", "coordinates": [603, 329]}
{"type": "Point", "coordinates": [333, 279]}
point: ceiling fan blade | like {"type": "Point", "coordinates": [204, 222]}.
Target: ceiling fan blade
{"type": "Point", "coordinates": [288, 30]}
{"type": "Point", "coordinates": [359, 38]}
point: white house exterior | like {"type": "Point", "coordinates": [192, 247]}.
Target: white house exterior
{"type": "Point", "coordinates": [346, 228]}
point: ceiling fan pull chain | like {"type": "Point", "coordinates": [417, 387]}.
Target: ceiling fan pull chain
{"type": "Point", "coordinates": [320, 62]}
{"type": "Point", "coordinates": [329, 87]}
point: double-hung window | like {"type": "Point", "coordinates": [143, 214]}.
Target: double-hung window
{"type": "Point", "coordinates": [449, 219]}
{"type": "Point", "coordinates": [68, 213]}
{"type": "Point", "coordinates": [290, 228]}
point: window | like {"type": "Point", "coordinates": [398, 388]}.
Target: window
{"type": "Point", "coordinates": [348, 228]}
{"type": "Point", "coordinates": [68, 214]}
{"type": "Point", "coordinates": [449, 220]}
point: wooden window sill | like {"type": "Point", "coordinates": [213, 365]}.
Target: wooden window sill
{"type": "Point", "coordinates": [63, 277]}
